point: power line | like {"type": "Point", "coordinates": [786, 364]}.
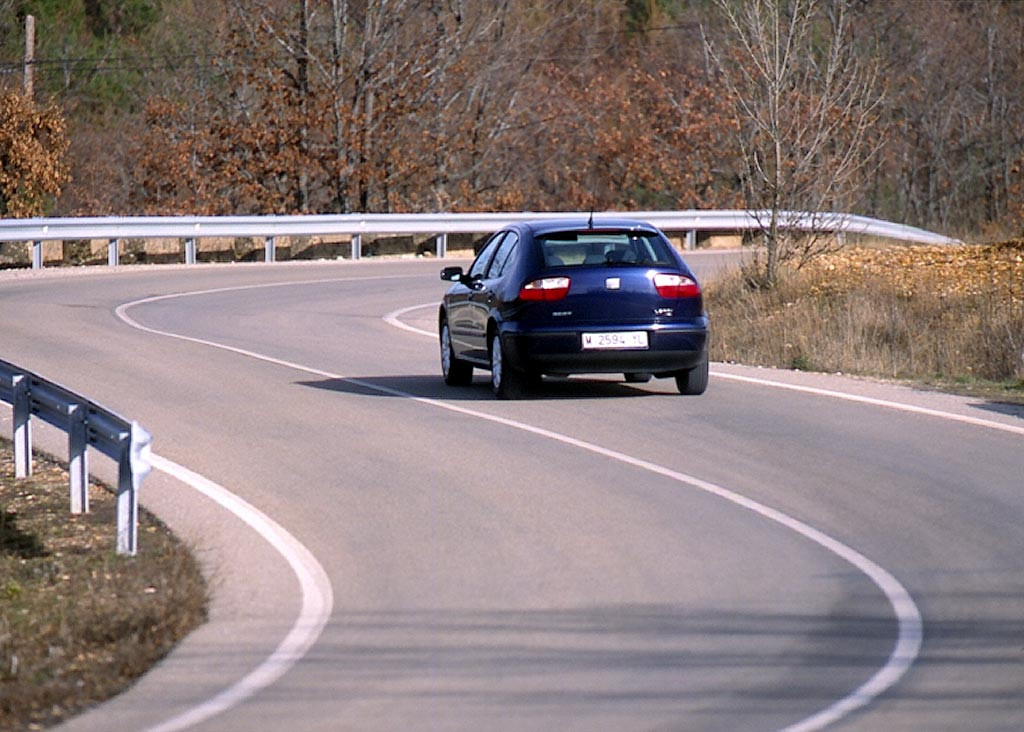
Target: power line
{"type": "Point", "coordinates": [115, 63]}
{"type": "Point", "coordinates": [164, 61]}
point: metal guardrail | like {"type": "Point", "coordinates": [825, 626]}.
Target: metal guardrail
{"type": "Point", "coordinates": [191, 228]}
{"type": "Point", "coordinates": [87, 424]}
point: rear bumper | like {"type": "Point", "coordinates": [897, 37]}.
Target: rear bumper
{"type": "Point", "coordinates": [670, 348]}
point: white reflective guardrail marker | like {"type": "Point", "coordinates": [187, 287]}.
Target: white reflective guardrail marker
{"type": "Point", "coordinates": [78, 460]}
{"type": "Point", "coordinates": [22, 427]}
{"type": "Point", "coordinates": [135, 464]}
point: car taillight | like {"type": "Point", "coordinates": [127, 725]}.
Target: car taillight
{"type": "Point", "coordinates": [546, 289]}
{"type": "Point", "coordinates": [674, 285]}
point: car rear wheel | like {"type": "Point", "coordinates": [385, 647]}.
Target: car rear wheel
{"type": "Point", "coordinates": [456, 372]}
{"type": "Point", "coordinates": [692, 382]}
{"type": "Point", "coordinates": [506, 382]}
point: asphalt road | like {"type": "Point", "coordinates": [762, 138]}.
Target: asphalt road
{"type": "Point", "coordinates": [601, 556]}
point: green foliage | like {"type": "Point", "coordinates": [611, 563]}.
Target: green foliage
{"type": "Point", "coordinates": [120, 17]}
{"type": "Point", "coordinates": [11, 591]}
{"type": "Point", "coordinates": [92, 19]}
{"type": "Point", "coordinates": [638, 14]}
{"type": "Point", "coordinates": [87, 51]}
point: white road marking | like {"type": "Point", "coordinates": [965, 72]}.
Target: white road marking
{"type": "Point", "coordinates": [910, 626]}
{"type": "Point", "coordinates": [899, 406]}
{"type": "Point", "coordinates": [393, 319]}
{"type": "Point", "coordinates": [314, 586]}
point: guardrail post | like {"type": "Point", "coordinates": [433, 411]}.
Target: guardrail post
{"type": "Point", "coordinates": [22, 427]}
{"type": "Point", "coordinates": [442, 246]}
{"type": "Point", "coordinates": [133, 466]}
{"type": "Point", "coordinates": [112, 260]}
{"type": "Point", "coordinates": [78, 465]}
{"type": "Point", "coordinates": [190, 251]}
{"type": "Point", "coordinates": [357, 246]}
{"type": "Point", "coordinates": [87, 425]}
{"type": "Point", "coordinates": [269, 251]}
{"type": "Point", "coordinates": [691, 239]}
{"type": "Point", "coordinates": [37, 255]}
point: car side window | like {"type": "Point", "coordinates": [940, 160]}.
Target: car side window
{"type": "Point", "coordinates": [503, 256]}
{"type": "Point", "coordinates": [485, 256]}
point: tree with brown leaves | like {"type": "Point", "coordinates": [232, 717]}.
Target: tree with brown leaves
{"type": "Point", "coordinates": [33, 145]}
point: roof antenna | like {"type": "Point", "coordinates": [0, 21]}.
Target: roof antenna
{"type": "Point", "coordinates": [590, 221]}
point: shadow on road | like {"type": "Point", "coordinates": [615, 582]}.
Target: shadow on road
{"type": "Point", "coordinates": [433, 387]}
{"type": "Point", "coordinates": [674, 668]}
{"type": "Point", "coordinates": [1007, 408]}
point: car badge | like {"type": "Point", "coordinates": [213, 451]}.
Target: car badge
{"type": "Point", "coordinates": [613, 283]}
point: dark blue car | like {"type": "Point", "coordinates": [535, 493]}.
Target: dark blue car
{"type": "Point", "coordinates": [574, 297]}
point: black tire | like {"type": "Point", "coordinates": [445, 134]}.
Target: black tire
{"type": "Point", "coordinates": [634, 378]}
{"type": "Point", "coordinates": [693, 382]}
{"type": "Point", "coordinates": [506, 382]}
{"type": "Point", "coordinates": [456, 372]}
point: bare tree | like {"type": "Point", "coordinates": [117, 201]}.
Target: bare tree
{"type": "Point", "coordinates": [956, 105]}
{"type": "Point", "coordinates": [804, 102]}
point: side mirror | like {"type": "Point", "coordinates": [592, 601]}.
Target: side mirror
{"type": "Point", "coordinates": [452, 274]}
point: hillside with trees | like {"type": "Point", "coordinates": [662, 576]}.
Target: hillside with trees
{"type": "Point", "coordinates": [909, 110]}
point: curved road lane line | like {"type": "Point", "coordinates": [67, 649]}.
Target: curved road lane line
{"type": "Point", "coordinates": [910, 627]}
{"type": "Point", "coordinates": [314, 585]}
{"type": "Point", "coordinates": [394, 319]}
{"type": "Point", "coordinates": [951, 416]}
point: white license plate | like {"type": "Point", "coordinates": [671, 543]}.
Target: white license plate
{"type": "Point", "coordinates": [635, 339]}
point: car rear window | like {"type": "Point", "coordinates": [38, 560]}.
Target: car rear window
{"type": "Point", "coordinates": [598, 248]}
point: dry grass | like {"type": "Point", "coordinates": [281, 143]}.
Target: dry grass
{"type": "Point", "coordinates": [77, 622]}
{"type": "Point", "coordinates": [947, 316]}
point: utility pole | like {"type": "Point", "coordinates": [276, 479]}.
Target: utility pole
{"type": "Point", "coordinates": [30, 53]}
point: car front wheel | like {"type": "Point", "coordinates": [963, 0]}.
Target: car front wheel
{"type": "Point", "coordinates": [456, 372]}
